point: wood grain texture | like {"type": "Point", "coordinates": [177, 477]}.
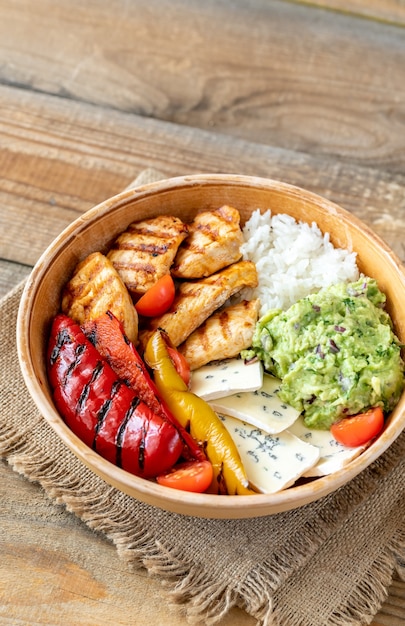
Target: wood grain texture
{"type": "Point", "coordinates": [74, 156]}
{"type": "Point", "coordinates": [279, 73]}
{"type": "Point", "coordinates": [11, 274]}
{"type": "Point", "coordinates": [389, 11]}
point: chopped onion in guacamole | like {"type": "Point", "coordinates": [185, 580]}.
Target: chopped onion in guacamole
{"type": "Point", "coordinates": [334, 351]}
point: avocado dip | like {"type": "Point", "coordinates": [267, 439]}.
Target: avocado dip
{"type": "Point", "coordinates": [334, 351]}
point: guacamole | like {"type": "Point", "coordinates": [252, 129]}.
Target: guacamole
{"type": "Point", "coordinates": [334, 351]}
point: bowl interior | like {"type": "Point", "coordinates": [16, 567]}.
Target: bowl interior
{"type": "Point", "coordinates": [184, 197]}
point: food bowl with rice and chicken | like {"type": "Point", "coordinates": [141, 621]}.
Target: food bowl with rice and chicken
{"type": "Point", "coordinates": [216, 345]}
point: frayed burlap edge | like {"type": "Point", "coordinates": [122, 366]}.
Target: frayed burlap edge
{"type": "Point", "coordinates": [366, 598]}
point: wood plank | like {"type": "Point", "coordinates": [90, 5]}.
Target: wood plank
{"type": "Point", "coordinates": [11, 274]}
{"type": "Point", "coordinates": [389, 11]}
{"type": "Point", "coordinates": [279, 73]}
{"type": "Point", "coordinates": [51, 143]}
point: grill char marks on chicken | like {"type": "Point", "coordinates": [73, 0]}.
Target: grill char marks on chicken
{"type": "Point", "coordinates": [95, 288]}
{"type": "Point", "coordinates": [213, 243]}
{"type": "Point", "coordinates": [145, 251]}
{"type": "Point", "coordinates": [223, 335]}
{"type": "Point", "coordinates": [196, 300]}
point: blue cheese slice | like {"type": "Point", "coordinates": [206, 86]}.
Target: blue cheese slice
{"type": "Point", "coordinates": [271, 462]}
{"type": "Point", "coordinates": [261, 408]}
{"type": "Point", "coordinates": [222, 378]}
{"type": "Point", "coordinates": [333, 456]}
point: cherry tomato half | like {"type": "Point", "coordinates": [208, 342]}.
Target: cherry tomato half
{"type": "Point", "coordinates": [158, 299]}
{"type": "Point", "coordinates": [180, 363]}
{"type": "Point", "coordinates": [359, 429]}
{"type": "Point", "coordinates": [193, 476]}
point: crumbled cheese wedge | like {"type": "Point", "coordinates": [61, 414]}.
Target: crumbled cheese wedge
{"type": "Point", "coordinates": [272, 463]}
{"type": "Point", "coordinates": [226, 377]}
{"type": "Point", "coordinates": [261, 408]}
{"type": "Point", "coordinates": [333, 456]}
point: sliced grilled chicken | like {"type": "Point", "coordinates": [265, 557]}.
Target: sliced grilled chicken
{"type": "Point", "coordinates": [213, 243]}
{"type": "Point", "coordinates": [145, 251]}
{"type": "Point", "coordinates": [196, 300]}
{"type": "Point", "coordinates": [96, 288]}
{"type": "Point", "coordinates": [223, 335]}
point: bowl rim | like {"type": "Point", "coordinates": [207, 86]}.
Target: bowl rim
{"type": "Point", "coordinates": [202, 505]}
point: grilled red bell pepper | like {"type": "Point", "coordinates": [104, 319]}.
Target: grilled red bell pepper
{"type": "Point", "coordinates": [107, 335]}
{"type": "Point", "coordinates": [103, 410]}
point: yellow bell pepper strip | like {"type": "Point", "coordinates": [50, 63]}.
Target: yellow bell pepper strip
{"type": "Point", "coordinates": [196, 415]}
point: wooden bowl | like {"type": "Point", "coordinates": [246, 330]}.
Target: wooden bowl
{"type": "Point", "coordinates": [184, 196]}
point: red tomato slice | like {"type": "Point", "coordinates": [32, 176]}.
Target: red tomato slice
{"type": "Point", "coordinates": [180, 363]}
{"type": "Point", "coordinates": [359, 429]}
{"type": "Point", "coordinates": [190, 476]}
{"type": "Point", "coordinates": [158, 299]}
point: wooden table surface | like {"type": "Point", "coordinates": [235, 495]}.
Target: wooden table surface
{"type": "Point", "coordinates": [92, 93]}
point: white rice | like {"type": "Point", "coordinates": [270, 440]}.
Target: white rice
{"type": "Point", "coordinates": [292, 259]}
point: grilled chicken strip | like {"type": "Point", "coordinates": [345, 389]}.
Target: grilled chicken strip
{"type": "Point", "coordinates": [145, 251]}
{"type": "Point", "coordinates": [223, 335]}
{"type": "Point", "coordinates": [196, 300]}
{"type": "Point", "coordinates": [96, 288]}
{"type": "Point", "coordinates": [213, 243]}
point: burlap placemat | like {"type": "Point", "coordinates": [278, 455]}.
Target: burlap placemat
{"type": "Point", "coordinates": [328, 563]}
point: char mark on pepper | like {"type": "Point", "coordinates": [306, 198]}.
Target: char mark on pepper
{"type": "Point", "coordinates": [102, 410]}
{"type": "Point", "coordinates": [121, 432]}
{"type": "Point", "coordinates": [86, 388]}
{"type": "Point", "coordinates": [81, 348]}
{"type": "Point", "coordinates": [62, 338]}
